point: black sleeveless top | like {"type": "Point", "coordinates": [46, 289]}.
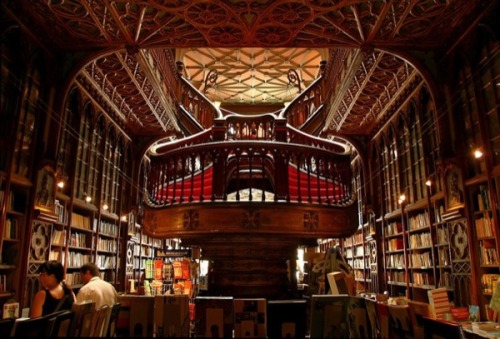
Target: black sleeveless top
{"type": "Point", "coordinates": [51, 303]}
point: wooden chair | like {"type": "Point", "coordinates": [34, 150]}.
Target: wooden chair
{"type": "Point", "coordinates": [359, 325]}
{"type": "Point", "coordinates": [371, 311]}
{"type": "Point", "coordinates": [6, 325]}
{"type": "Point", "coordinates": [328, 316]}
{"type": "Point", "coordinates": [32, 327]}
{"type": "Point", "coordinates": [383, 317]}
{"type": "Point", "coordinates": [113, 319]}
{"type": "Point", "coordinates": [100, 321]}
{"type": "Point", "coordinates": [442, 329]}
{"type": "Point", "coordinates": [400, 323]}
{"type": "Point", "coordinates": [60, 324]}
{"type": "Point", "coordinates": [418, 310]}
{"type": "Point", "coordinates": [82, 321]}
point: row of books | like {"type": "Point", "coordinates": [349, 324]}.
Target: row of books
{"type": "Point", "coordinates": [17, 201]}
{"type": "Point", "coordinates": [421, 259]}
{"type": "Point", "coordinates": [58, 237]}
{"type": "Point", "coordinates": [394, 244]}
{"type": "Point", "coordinates": [81, 221]}
{"type": "Point", "coordinates": [396, 276]}
{"type": "Point", "coordinates": [420, 240]}
{"type": "Point", "coordinates": [484, 227]}
{"type": "Point", "coordinates": [3, 283]}
{"type": "Point", "coordinates": [107, 245]}
{"type": "Point", "coordinates": [488, 256]}
{"type": "Point", "coordinates": [393, 228]}
{"type": "Point", "coordinates": [422, 279]}
{"type": "Point", "coordinates": [483, 198]}
{"type": "Point", "coordinates": [56, 255]}
{"type": "Point", "coordinates": [442, 235]}
{"type": "Point", "coordinates": [395, 261]}
{"type": "Point", "coordinates": [61, 212]}
{"type": "Point", "coordinates": [419, 221]}
{"type": "Point", "coordinates": [79, 240]}
{"type": "Point", "coordinates": [489, 282]}
{"type": "Point", "coordinates": [439, 213]}
{"type": "Point", "coordinates": [10, 228]}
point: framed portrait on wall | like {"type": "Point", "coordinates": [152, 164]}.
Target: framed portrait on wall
{"type": "Point", "coordinates": [454, 188]}
{"type": "Point", "coordinates": [45, 189]}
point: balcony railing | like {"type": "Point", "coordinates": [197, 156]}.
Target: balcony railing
{"type": "Point", "coordinates": [235, 161]}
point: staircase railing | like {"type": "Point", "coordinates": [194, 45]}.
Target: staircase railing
{"type": "Point", "coordinates": [221, 165]}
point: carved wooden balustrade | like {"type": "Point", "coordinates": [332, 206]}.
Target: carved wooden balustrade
{"type": "Point", "coordinates": [236, 154]}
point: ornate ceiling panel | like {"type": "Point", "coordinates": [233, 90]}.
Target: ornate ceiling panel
{"type": "Point", "coordinates": [251, 45]}
{"type": "Point", "coordinates": [251, 75]}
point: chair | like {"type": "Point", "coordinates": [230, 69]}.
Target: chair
{"type": "Point", "coordinates": [359, 325]}
{"type": "Point", "coordinates": [418, 310]}
{"type": "Point", "coordinates": [328, 316]}
{"type": "Point", "coordinates": [441, 329]}
{"type": "Point", "coordinates": [6, 325]}
{"type": "Point", "coordinates": [371, 311]}
{"type": "Point", "coordinates": [32, 327]}
{"type": "Point", "coordinates": [400, 323]}
{"type": "Point", "coordinates": [100, 321]}
{"type": "Point", "coordinates": [113, 319]}
{"type": "Point", "coordinates": [82, 322]}
{"type": "Point", "coordinates": [60, 323]}
{"type": "Point", "coordinates": [383, 317]}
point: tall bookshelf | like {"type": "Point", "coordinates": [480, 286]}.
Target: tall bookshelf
{"type": "Point", "coordinates": [483, 216]}
{"type": "Point", "coordinates": [421, 261]}
{"type": "Point", "coordinates": [394, 253]}
{"type": "Point", "coordinates": [15, 195]}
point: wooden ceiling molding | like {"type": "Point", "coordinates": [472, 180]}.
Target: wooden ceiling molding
{"type": "Point", "coordinates": [251, 46]}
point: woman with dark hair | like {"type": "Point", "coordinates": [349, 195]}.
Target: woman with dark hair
{"type": "Point", "coordinates": [55, 294]}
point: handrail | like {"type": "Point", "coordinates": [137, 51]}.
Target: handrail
{"type": "Point", "coordinates": [212, 171]}
{"type": "Point", "coordinates": [304, 105]}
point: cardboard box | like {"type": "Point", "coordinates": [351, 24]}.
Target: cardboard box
{"type": "Point", "coordinates": [171, 316]}
{"type": "Point", "coordinates": [250, 318]}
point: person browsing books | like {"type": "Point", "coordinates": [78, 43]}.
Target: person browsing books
{"type": "Point", "coordinates": [94, 288]}
{"type": "Point", "coordinates": [54, 295]}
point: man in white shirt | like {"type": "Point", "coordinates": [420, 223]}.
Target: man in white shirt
{"type": "Point", "coordinates": [94, 288]}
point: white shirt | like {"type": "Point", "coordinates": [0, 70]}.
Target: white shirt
{"type": "Point", "coordinates": [98, 290]}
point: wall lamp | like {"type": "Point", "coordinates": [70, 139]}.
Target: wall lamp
{"type": "Point", "coordinates": [402, 199]}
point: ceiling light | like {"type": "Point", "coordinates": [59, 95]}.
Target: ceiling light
{"type": "Point", "coordinates": [478, 153]}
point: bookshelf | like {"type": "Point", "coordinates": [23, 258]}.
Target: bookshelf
{"type": "Point", "coordinates": [357, 254]}
{"type": "Point", "coordinates": [395, 255]}
{"type": "Point", "coordinates": [81, 239]}
{"type": "Point", "coordinates": [421, 261]}
{"type": "Point", "coordinates": [14, 194]}
{"type": "Point", "coordinates": [442, 245]}
{"type": "Point", "coordinates": [483, 216]}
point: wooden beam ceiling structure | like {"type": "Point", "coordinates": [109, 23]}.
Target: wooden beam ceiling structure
{"type": "Point", "coordinates": [251, 45]}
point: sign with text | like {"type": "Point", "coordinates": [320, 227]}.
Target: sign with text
{"type": "Point", "coordinates": [173, 253]}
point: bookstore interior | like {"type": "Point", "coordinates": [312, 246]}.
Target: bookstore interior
{"type": "Point", "coordinates": [253, 168]}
